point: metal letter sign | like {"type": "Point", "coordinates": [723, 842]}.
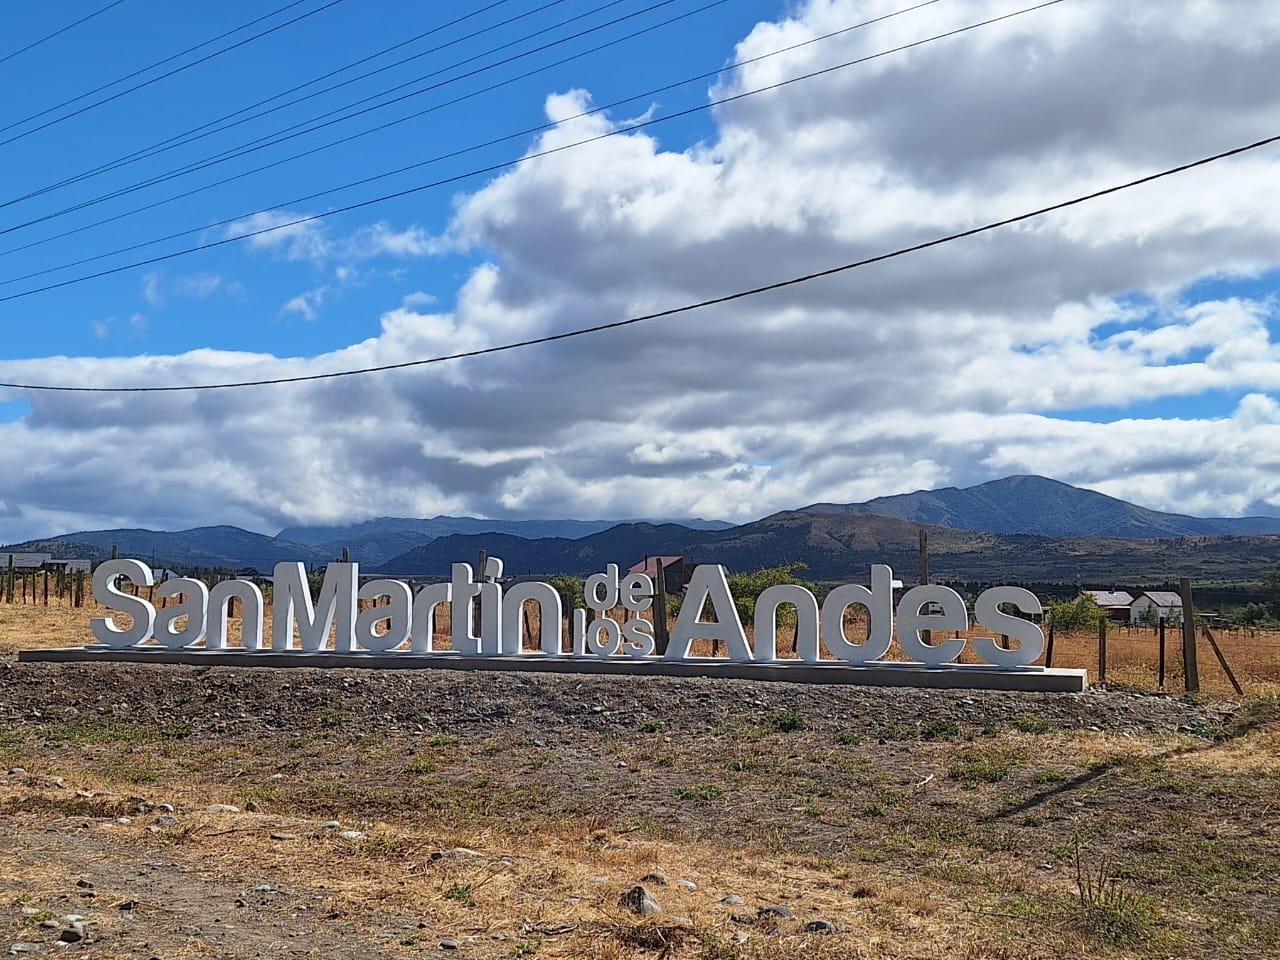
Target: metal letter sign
{"type": "Point", "coordinates": [398, 628]}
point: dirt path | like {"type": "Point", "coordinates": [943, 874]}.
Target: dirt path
{"type": "Point", "coordinates": [146, 901]}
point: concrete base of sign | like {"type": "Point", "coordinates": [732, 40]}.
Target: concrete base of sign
{"type": "Point", "coordinates": [953, 676]}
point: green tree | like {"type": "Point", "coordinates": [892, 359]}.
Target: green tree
{"type": "Point", "coordinates": [747, 587]}
{"type": "Point", "coordinates": [1271, 583]}
{"type": "Point", "coordinates": [1251, 614]}
{"type": "Point", "coordinates": [571, 593]}
{"type": "Point", "coordinates": [1078, 614]}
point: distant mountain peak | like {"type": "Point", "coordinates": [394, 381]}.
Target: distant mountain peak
{"type": "Point", "coordinates": [1043, 506]}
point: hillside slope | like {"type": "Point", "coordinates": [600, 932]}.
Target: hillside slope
{"type": "Point", "coordinates": [1044, 507]}
{"type": "Point", "coordinates": [423, 530]}
{"type": "Point", "coordinates": [222, 546]}
{"type": "Point", "coordinates": [843, 546]}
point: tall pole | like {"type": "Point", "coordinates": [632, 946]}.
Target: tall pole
{"type": "Point", "coordinates": [1161, 622]}
{"type": "Point", "coordinates": [661, 638]}
{"type": "Point", "coordinates": [925, 635]}
{"type": "Point", "coordinates": [1191, 670]}
{"type": "Point", "coordinates": [482, 562]}
{"type": "Point", "coordinates": [1102, 650]}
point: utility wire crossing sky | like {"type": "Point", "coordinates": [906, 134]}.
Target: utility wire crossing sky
{"type": "Point", "coordinates": [618, 324]}
{"type": "Point", "coordinates": [1126, 343]}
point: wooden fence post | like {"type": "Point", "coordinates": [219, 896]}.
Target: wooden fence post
{"type": "Point", "coordinates": [46, 588]}
{"type": "Point", "coordinates": [1102, 650]}
{"type": "Point", "coordinates": [661, 638]}
{"type": "Point", "coordinates": [1191, 669]}
{"type": "Point", "coordinates": [1226, 667]}
{"type": "Point", "coordinates": [482, 561]}
{"type": "Point", "coordinates": [8, 584]}
{"type": "Point", "coordinates": [925, 635]}
{"type": "Point", "coordinates": [1161, 622]}
{"type": "Point", "coordinates": [1048, 654]}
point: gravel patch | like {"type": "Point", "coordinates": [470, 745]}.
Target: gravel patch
{"type": "Point", "coordinates": [230, 699]}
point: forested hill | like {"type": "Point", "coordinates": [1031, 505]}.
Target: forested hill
{"type": "Point", "coordinates": [843, 546]}
{"type": "Point", "coordinates": [1044, 507]}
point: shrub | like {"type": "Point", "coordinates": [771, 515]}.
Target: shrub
{"type": "Point", "coordinates": [420, 766]}
{"type": "Point", "coordinates": [788, 721]}
{"type": "Point", "coordinates": [178, 731]}
{"type": "Point", "coordinates": [1251, 614]}
{"type": "Point", "coordinates": [1029, 723]}
{"type": "Point", "coordinates": [1106, 909]}
{"type": "Point", "coordinates": [1078, 614]}
{"type": "Point", "coordinates": [747, 587]}
{"type": "Point", "coordinates": [571, 592]}
{"type": "Point", "coordinates": [974, 767]}
{"type": "Point", "coordinates": [940, 730]}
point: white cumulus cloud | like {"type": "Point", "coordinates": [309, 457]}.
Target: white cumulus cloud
{"type": "Point", "coordinates": [1104, 345]}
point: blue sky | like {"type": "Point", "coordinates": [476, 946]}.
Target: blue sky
{"type": "Point", "coordinates": [226, 297]}
{"type": "Point", "coordinates": [1128, 345]}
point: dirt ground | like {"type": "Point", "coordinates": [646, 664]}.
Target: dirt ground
{"type": "Point", "coordinates": [247, 813]}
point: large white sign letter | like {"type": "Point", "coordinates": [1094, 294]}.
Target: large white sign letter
{"type": "Point", "coordinates": [112, 597]}
{"type": "Point", "coordinates": [709, 582]}
{"type": "Point", "coordinates": [336, 605]}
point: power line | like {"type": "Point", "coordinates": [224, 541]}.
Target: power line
{"type": "Point", "coordinates": [61, 30]}
{"type": "Point", "coordinates": [672, 311]}
{"type": "Point", "coordinates": [284, 135]}
{"type": "Point", "coordinates": [164, 76]}
{"type": "Point", "coordinates": [509, 163]}
{"type": "Point", "coordinates": [177, 140]}
{"type": "Point", "coordinates": [231, 153]}
{"type": "Point", "coordinates": [355, 136]}
{"type": "Point", "coordinates": [465, 150]}
{"type": "Point", "coordinates": [151, 66]}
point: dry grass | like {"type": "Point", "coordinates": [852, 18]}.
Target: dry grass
{"type": "Point", "coordinates": [1020, 843]}
{"type": "Point", "coordinates": [907, 865]}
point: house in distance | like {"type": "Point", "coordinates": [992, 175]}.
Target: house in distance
{"type": "Point", "coordinates": [1116, 603]}
{"type": "Point", "coordinates": [1150, 606]}
{"type": "Point", "coordinates": [675, 572]}
{"type": "Point", "coordinates": [1154, 605]}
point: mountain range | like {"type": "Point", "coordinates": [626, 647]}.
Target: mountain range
{"type": "Point", "coordinates": [1021, 528]}
{"type": "Point", "coordinates": [380, 539]}
{"type": "Point", "coordinates": [842, 546]}
{"type": "Point", "coordinates": [1050, 508]}
{"type": "Point", "coordinates": [225, 546]}
{"type": "Point", "coordinates": [371, 542]}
